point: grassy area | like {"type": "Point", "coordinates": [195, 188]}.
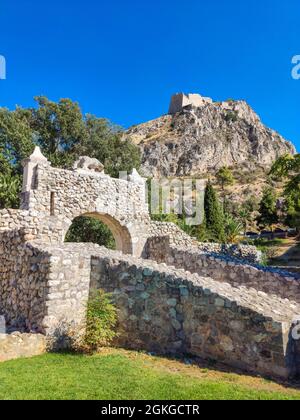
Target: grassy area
{"type": "Point", "coordinates": [270, 242]}
{"type": "Point", "coordinates": [279, 252]}
{"type": "Point", "coordinates": [119, 374]}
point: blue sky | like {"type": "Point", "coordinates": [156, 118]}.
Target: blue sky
{"type": "Point", "coordinates": [123, 59]}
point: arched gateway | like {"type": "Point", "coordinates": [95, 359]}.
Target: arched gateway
{"type": "Point", "coordinates": [59, 196]}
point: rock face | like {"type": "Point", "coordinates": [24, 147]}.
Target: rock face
{"type": "Point", "coordinates": [200, 136]}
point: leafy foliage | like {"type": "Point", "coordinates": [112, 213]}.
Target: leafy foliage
{"type": "Point", "coordinates": [16, 138]}
{"type": "Point", "coordinates": [225, 177]}
{"type": "Point", "coordinates": [233, 230]}
{"type": "Point", "coordinates": [288, 168]}
{"type": "Point", "coordinates": [64, 134]}
{"type": "Point", "coordinates": [87, 229]}
{"type": "Point", "coordinates": [107, 143]}
{"type": "Point", "coordinates": [246, 212]}
{"type": "Point", "coordinates": [101, 321]}
{"type": "Point", "coordinates": [267, 210]}
{"type": "Point", "coordinates": [9, 190]}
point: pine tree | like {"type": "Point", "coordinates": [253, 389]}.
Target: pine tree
{"type": "Point", "coordinates": [225, 177]}
{"type": "Point", "coordinates": [214, 217]}
{"type": "Point", "coordinates": [267, 209]}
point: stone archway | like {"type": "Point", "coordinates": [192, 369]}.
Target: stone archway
{"type": "Point", "coordinates": [121, 234]}
{"type": "Point", "coordinates": [58, 196]}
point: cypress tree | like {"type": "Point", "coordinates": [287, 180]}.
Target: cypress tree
{"type": "Point", "coordinates": [214, 216]}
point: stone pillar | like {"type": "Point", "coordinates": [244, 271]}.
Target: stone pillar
{"type": "Point", "coordinates": [30, 165]}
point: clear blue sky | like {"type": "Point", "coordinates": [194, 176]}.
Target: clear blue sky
{"type": "Point", "coordinates": [122, 59]}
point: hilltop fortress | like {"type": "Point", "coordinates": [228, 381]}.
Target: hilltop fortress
{"type": "Point", "coordinates": [199, 136]}
{"type": "Point", "coordinates": [181, 100]}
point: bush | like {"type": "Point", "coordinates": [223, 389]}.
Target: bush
{"type": "Point", "coordinates": [231, 116]}
{"type": "Point", "coordinates": [100, 322]}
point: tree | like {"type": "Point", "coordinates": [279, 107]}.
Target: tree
{"type": "Point", "coordinates": [267, 209]}
{"type": "Point", "coordinates": [59, 128]}
{"type": "Point", "coordinates": [107, 143]}
{"type": "Point", "coordinates": [288, 168]}
{"type": "Point", "coordinates": [9, 190]}
{"type": "Point", "coordinates": [16, 139]}
{"type": "Point", "coordinates": [246, 212]}
{"type": "Point", "coordinates": [214, 217]}
{"type": "Point", "coordinates": [225, 177]}
{"type": "Point", "coordinates": [64, 134]}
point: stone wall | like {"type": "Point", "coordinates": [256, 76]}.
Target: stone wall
{"type": "Point", "coordinates": [23, 271]}
{"type": "Point", "coordinates": [161, 309]}
{"type": "Point", "coordinates": [226, 269]}
{"type": "Point", "coordinates": [43, 286]}
{"type": "Point", "coordinates": [16, 345]}
{"type": "Point", "coordinates": [165, 310]}
{"type": "Point", "coordinates": [169, 233]}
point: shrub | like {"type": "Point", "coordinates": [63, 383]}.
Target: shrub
{"type": "Point", "coordinates": [232, 230]}
{"type": "Point", "coordinates": [101, 321]}
{"type": "Point", "coordinates": [231, 116]}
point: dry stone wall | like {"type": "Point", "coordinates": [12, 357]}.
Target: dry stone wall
{"type": "Point", "coordinates": [169, 233]}
{"type": "Point", "coordinates": [166, 310]}
{"type": "Point", "coordinates": [226, 269]}
{"type": "Point", "coordinates": [23, 287]}
{"type": "Point", "coordinates": [161, 309]}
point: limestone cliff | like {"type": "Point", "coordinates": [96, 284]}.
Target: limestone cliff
{"type": "Point", "coordinates": [200, 136]}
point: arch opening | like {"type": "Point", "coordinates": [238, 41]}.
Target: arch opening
{"type": "Point", "coordinates": [101, 229]}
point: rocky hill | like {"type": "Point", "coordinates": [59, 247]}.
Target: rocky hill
{"type": "Point", "coordinates": [199, 136]}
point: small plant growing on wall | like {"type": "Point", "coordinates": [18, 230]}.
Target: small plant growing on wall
{"type": "Point", "coordinates": [101, 321]}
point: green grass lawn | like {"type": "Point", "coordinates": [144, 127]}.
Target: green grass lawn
{"type": "Point", "coordinates": [119, 374]}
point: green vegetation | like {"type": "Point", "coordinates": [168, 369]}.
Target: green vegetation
{"type": "Point", "coordinates": [127, 376]}
{"type": "Point", "coordinates": [267, 210]}
{"type": "Point", "coordinates": [233, 229]}
{"type": "Point", "coordinates": [101, 321]}
{"type": "Point", "coordinates": [219, 225]}
{"type": "Point", "coordinates": [214, 216]}
{"type": "Point", "coordinates": [225, 177]}
{"type": "Point", "coordinates": [287, 168]}
{"type": "Point", "coordinates": [231, 116]}
{"type": "Point", "coordinates": [9, 189]}
{"type": "Point", "coordinates": [86, 229]}
{"type": "Point", "coordinates": [246, 212]}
